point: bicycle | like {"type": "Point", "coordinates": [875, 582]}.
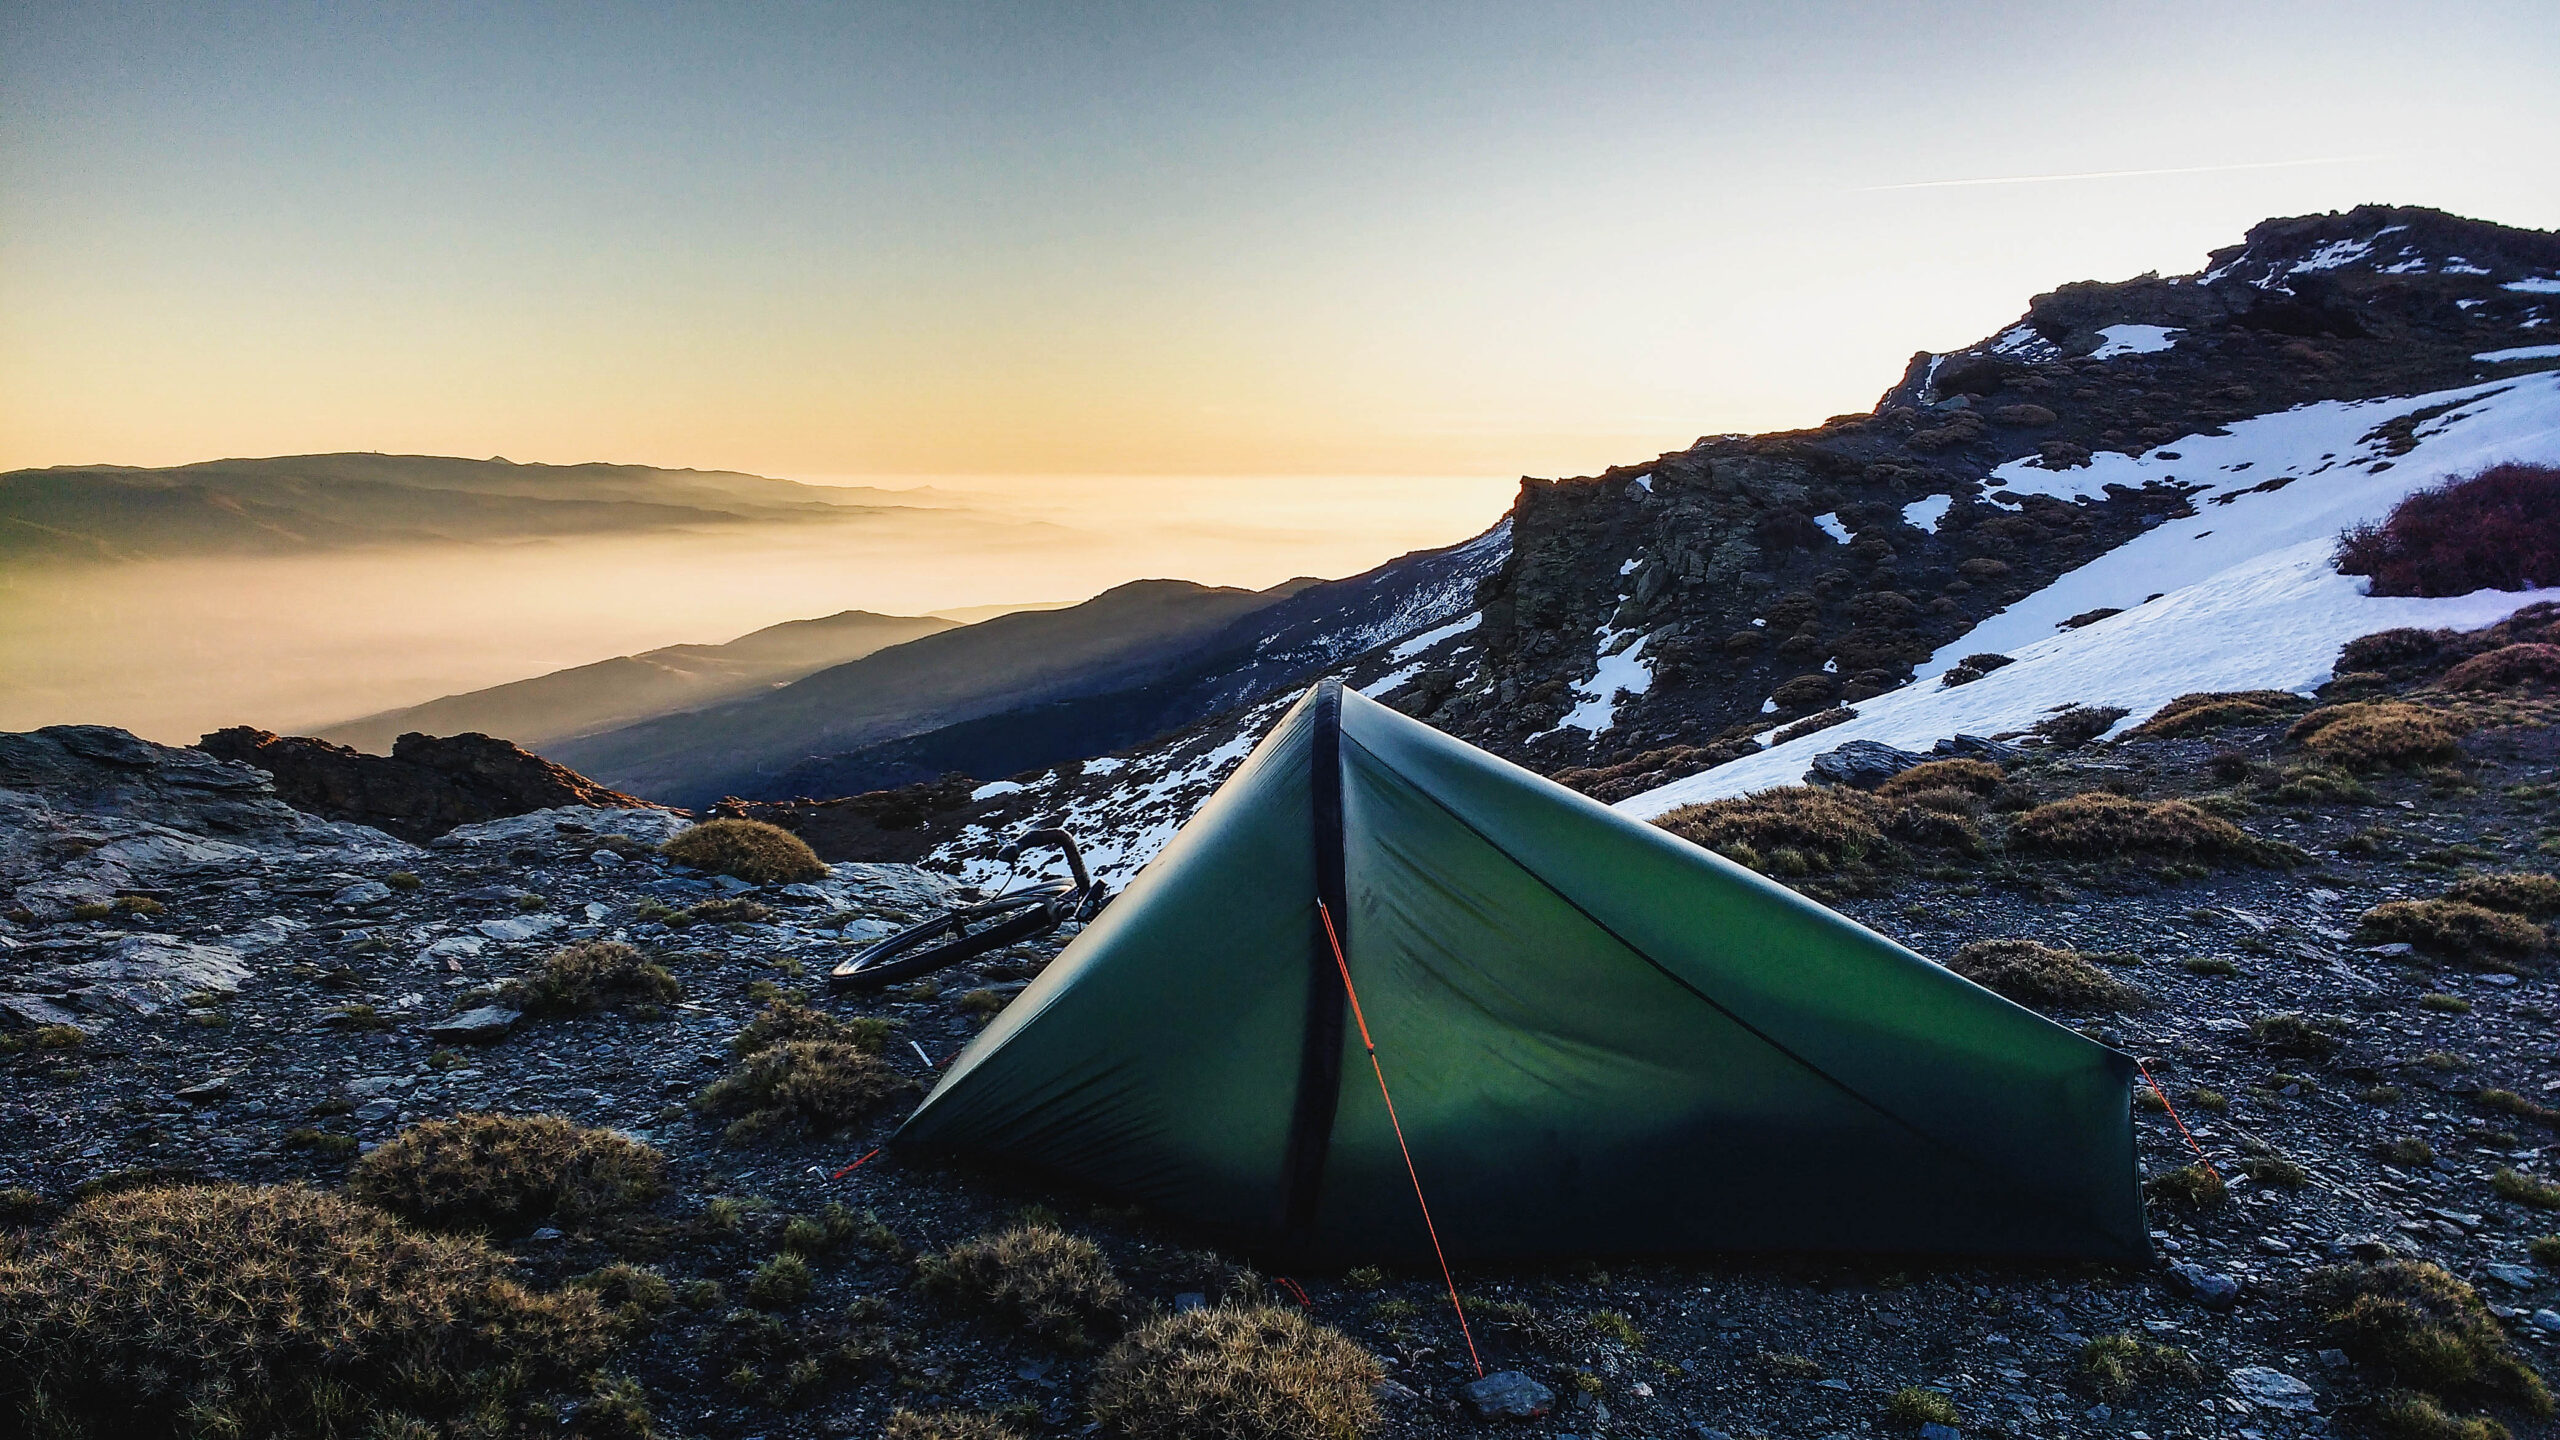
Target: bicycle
{"type": "Point", "coordinates": [1009, 919]}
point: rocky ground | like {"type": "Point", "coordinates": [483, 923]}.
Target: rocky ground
{"type": "Point", "coordinates": [254, 996]}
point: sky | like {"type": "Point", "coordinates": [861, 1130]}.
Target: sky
{"type": "Point", "coordinates": [999, 239]}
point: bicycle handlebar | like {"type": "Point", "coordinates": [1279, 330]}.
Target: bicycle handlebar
{"type": "Point", "coordinates": [1057, 839]}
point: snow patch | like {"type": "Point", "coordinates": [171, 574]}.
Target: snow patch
{"type": "Point", "coordinates": [994, 788]}
{"type": "Point", "coordinates": [2337, 253]}
{"type": "Point", "coordinates": [2521, 352]}
{"type": "Point", "coordinates": [1924, 515]}
{"type": "Point", "coordinates": [1407, 649]}
{"type": "Point", "coordinates": [1644, 482]}
{"type": "Point", "coordinates": [1624, 674]}
{"type": "Point", "coordinates": [1829, 520]}
{"type": "Point", "coordinates": [2253, 604]}
{"type": "Point", "coordinates": [2538, 285]}
{"type": "Point", "coordinates": [2135, 340]}
{"type": "Point", "coordinates": [1630, 567]}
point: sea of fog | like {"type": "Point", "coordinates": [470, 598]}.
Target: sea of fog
{"type": "Point", "coordinates": [171, 649]}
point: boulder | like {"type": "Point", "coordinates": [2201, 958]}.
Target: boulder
{"type": "Point", "coordinates": [1861, 765]}
{"type": "Point", "coordinates": [1508, 1395]}
{"type": "Point", "coordinates": [423, 788]}
{"type": "Point", "coordinates": [1976, 747]}
{"type": "Point", "coordinates": [486, 1025]}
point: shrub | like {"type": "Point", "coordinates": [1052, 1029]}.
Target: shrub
{"type": "Point", "coordinates": [2428, 1328]}
{"type": "Point", "coordinates": [2526, 892]}
{"type": "Point", "coordinates": [2546, 1251]}
{"type": "Point", "coordinates": [822, 1085]}
{"type": "Point", "coordinates": [734, 910]}
{"type": "Point", "coordinates": [1913, 1406]}
{"type": "Point", "coordinates": [46, 1037]}
{"type": "Point", "coordinates": [2506, 668]}
{"type": "Point", "coordinates": [2113, 1367]}
{"type": "Point", "coordinates": [507, 1172]}
{"type": "Point", "coordinates": [2453, 929]}
{"type": "Point", "coordinates": [2444, 1004]}
{"type": "Point", "coordinates": [592, 975]}
{"type": "Point", "coordinates": [2408, 1415]}
{"type": "Point", "coordinates": [2497, 529]}
{"type": "Point", "coordinates": [1829, 828]}
{"type": "Point", "coordinates": [1056, 1286]}
{"type": "Point", "coordinates": [1237, 1373]}
{"type": "Point", "coordinates": [2097, 823]}
{"type": "Point", "coordinates": [751, 850]}
{"type": "Point", "coordinates": [221, 1310]}
{"type": "Point", "coordinates": [2202, 711]}
{"type": "Point", "coordinates": [946, 1425]}
{"type": "Point", "coordinates": [2518, 1106]}
{"type": "Point", "coordinates": [2275, 1170]}
{"type": "Point", "coordinates": [2044, 978]}
{"type": "Point", "coordinates": [1971, 777]}
{"type": "Point", "coordinates": [787, 1020]}
{"type": "Point", "coordinates": [635, 1291]}
{"type": "Point", "coordinates": [2079, 725]}
{"type": "Point", "coordinates": [2409, 1152]}
{"type": "Point", "coordinates": [2370, 734]}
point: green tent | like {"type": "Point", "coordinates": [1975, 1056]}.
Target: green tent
{"type": "Point", "coordinates": [1599, 1039]}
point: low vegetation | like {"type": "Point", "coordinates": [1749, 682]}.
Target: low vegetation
{"type": "Point", "coordinates": [2097, 823]}
{"type": "Point", "coordinates": [1970, 777]}
{"type": "Point", "coordinates": [229, 1311]}
{"type": "Point", "coordinates": [1913, 1406]}
{"type": "Point", "coordinates": [819, 1085]}
{"type": "Point", "coordinates": [2114, 1367]}
{"type": "Point", "coordinates": [1037, 1278]}
{"type": "Point", "coordinates": [1791, 830]}
{"type": "Point", "coordinates": [2527, 893]}
{"type": "Point", "coordinates": [946, 1425]}
{"type": "Point", "coordinates": [2375, 734]}
{"type": "Point", "coordinates": [2042, 977]}
{"type": "Point", "coordinates": [751, 850]}
{"type": "Point", "coordinates": [593, 975]}
{"type": "Point", "coordinates": [2454, 930]}
{"type": "Point", "coordinates": [507, 1172]}
{"type": "Point", "coordinates": [2425, 1328]}
{"type": "Point", "coordinates": [787, 1020]}
{"type": "Point", "coordinates": [2509, 667]}
{"type": "Point", "coordinates": [2204, 712]}
{"type": "Point", "coordinates": [2193, 1187]}
{"type": "Point", "coordinates": [1237, 1373]}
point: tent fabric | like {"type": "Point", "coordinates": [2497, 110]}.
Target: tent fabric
{"type": "Point", "coordinates": [1601, 1039]}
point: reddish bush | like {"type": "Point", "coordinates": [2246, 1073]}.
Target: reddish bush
{"type": "Point", "coordinates": [2505, 668]}
{"type": "Point", "coordinates": [2496, 530]}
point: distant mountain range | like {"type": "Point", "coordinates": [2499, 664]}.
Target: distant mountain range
{"type": "Point", "coordinates": [299, 504]}
{"type": "Point", "coordinates": [631, 688]}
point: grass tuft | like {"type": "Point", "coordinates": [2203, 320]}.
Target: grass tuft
{"type": "Point", "coordinates": [2191, 1186]}
{"type": "Point", "coordinates": [2524, 892]}
{"type": "Point", "coordinates": [2375, 734]}
{"type": "Point", "coordinates": [1052, 1285]}
{"type": "Point", "coordinates": [751, 850]}
{"type": "Point", "coordinates": [2428, 1329]}
{"type": "Point", "coordinates": [2198, 713]}
{"type": "Point", "coordinates": [1824, 828]}
{"type": "Point", "coordinates": [2454, 930]}
{"type": "Point", "coordinates": [227, 1311]}
{"type": "Point", "coordinates": [507, 1172]}
{"type": "Point", "coordinates": [1237, 1373]}
{"type": "Point", "coordinates": [2113, 1367]}
{"type": "Point", "coordinates": [592, 975]}
{"type": "Point", "coordinates": [1914, 1407]}
{"type": "Point", "coordinates": [819, 1085]}
{"type": "Point", "coordinates": [2042, 977]}
{"type": "Point", "coordinates": [2099, 823]}
{"type": "Point", "coordinates": [946, 1425]}
{"type": "Point", "coordinates": [783, 1021]}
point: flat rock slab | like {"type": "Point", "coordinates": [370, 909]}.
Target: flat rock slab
{"type": "Point", "coordinates": [1508, 1395]}
{"type": "Point", "coordinates": [529, 927]}
{"type": "Point", "coordinates": [2273, 1388]}
{"type": "Point", "coordinates": [483, 1026]}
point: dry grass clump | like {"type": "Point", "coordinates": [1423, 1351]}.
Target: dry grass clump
{"type": "Point", "coordinates": [1914, 1406]}
{"type": "Point", "coordinates": [226, 1311]}
{"type": "Point", "coordinates": [2112, 1367]}
{"type": "Point", "coordinates": [821, 1085]}
{"type": "Point", "coordinates": [2297, 1036]}
{"type": "Point", "coordinates": [507, 1172]}
{"type": "Point", "coordinates": [2428, 1329]}
{"type": "Point", "coordinates": [2524, 892]}
{"type": "Point", "coordinates": [2098, 823]}
{"type": "Point", "coordinates": [2078, 725]}
{"type": "Point", "coordinates": [2454, 930]}
{"type": "Point", "coordinates": [592, 975]}
{"type": "Point", "coordinates": [2408, 1415]}
{"type": "Point", "coordinates": [1791, 830]}
{"type": "Point", "coordinates": [1055, 1286]}
{"type": "Point", "coordinates": [2506, 668]}
{"type": "Point", "coordinates": [787, 1020]}
{"type": "Point", "coordinates": [2044, 978]}
{"type": "Point", "coordinates": [752, 850]}
{"type": "Point", "coordinates": [2372, 734]}
{"type": "Point", "coordinates": [2197, 713]}
{"type": "Point", "coordinates": [1972, 777]}
{"type": "Point", "coordinates": [2513, 1184]}
{"type": "Point", "coordinates": [946, 1425]}
{"type": "Point", "coordinates": [1237, 1373]}
{"type": "Point", "coordinates": [2191, 1186]}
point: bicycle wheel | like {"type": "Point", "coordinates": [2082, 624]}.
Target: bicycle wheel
{"type": "Point", "coordinates": [949, 939]}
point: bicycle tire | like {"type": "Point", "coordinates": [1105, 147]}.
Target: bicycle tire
{"type": "Point", "coordinates": [1026, 913]}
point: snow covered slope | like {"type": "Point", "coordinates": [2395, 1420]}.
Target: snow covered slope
{"type": "Point", "coordinates": [2239, 596]}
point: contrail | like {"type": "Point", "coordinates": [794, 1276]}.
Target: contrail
{"type": "Point", "coordinates": [2123, 174]}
